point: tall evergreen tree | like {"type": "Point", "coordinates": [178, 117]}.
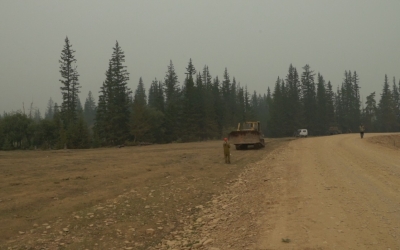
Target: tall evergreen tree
{"type": "Point", "coordinates": [156, 95]}
{"type": "Point", "coordinates": [356, 102]}
{"type": "Point", "coordinates": [49, 110]}
{"type": "Point", "coordinates": [322, 123]}
{"type": "Point", "coordinates": [226, 98]}
{"type": "Point", "coordinates": [294, 105]}
{"type": "Point", "coordinates": [113, 112]}
{"type": "Point", "coordinates": [190, 113]}
{"type": "Point", "coordinates": [172, 104]}
{"type": "Point", "coordinates": [89, 112]}
{"type": "Point", "coordinates": [386, 109]}
{"type": "Point", "coordinates": [210, 112]}
{"type": "Point", "coordinates": [370, 113]}
{"type": "Point", "coordinates": [276, 116]}
{"type": "Point", "coordinates": [120, 103]}
{"type": "Point", "coordinates": [139, 118]}
{"type": "Point", "coordinates": [70, 84]}
{"type": "Point", "coordinates": [218, 104]}
{"type": "Point", "coordinates": [309, 98]}
{"type": "Point", "coordinates": [330, 106]}
{"type": "Point", "coordinates": [396, 100]}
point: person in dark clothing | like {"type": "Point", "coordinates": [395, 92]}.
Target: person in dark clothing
{"type": "Point", "coordinates": [227, 153]}
{"type": "Point", "coordinates": [362, 129]}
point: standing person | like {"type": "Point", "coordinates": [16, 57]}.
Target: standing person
{"type": "Point", "coordinates": [227, 153]}
{"type": "Point", "coordinates": [362, 131]}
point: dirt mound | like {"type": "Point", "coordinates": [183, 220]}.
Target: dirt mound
{"type": "Point", "coordinates": [389, 141]}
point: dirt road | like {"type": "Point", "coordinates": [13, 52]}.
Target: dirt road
{"type": "Point", "coordinates": [336, 192]}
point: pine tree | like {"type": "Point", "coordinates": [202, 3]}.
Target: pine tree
{"type": "Point", "coordinates": [113, 113]}
{"type": "Point", "coordinates": [199, 107]}
{"type": "Point", "coordinates": [309, 98]}
{"type": "Point", "coordinates": [276, 118]}
{"type": "Point", "coordinates": [226, 99]}
{"type": "Point", "coordinates": [156, 96]}
{"type": "Point", "coordinates": [330, 108]}
{"type": "Point", "coordinates": [120, 103]}
{"type": "Point", "coordinates": [370, 113]}
{"type": "Point", "coordinates": [269, 104]}
{"type": "Point", "coordinates": [218, 105]}
{"type": "Point", "coordinates": [50, 110]}
{"type": "Point", "coordinates": [89, 112]}
{"type": "Point", "coordinates": [189, 112]}
{"type": "Point", "coordinates": [139, 118]}
{"type": "Point", "coordinates": [210, 116]}
{"type": "Point", "coordinates": [396, 99]}
{"type": "Point", "coordinates": [172, 104]}
{"type": "Point", "coordinates": [70, 84]}
{"type": "Point", "coordinates": [100, 125]}
{"type": "Point", "coordinates": [386, 109]}
{"type": "Point", "coordinates": [294, 106]}
{"type": "Point", "coordinates": [78, 134]}
{"type": "Point", "coordinates": [322, 124]}
{"type": "Point", "coordinates": [79, 108]}
{"type": "Point", "coordinates": [356, 102]}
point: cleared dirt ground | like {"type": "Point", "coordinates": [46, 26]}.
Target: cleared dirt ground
{"type": "Point", "coordinates": [111, 198]}
{"type": "Point", "coordinates": [333, 192]}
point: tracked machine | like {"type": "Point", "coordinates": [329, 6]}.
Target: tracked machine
{"type": "Point", "coordinates": [247, 136]}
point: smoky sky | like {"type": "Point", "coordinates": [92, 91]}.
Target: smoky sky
{"type": "Point", "coordinates": [255, 40]}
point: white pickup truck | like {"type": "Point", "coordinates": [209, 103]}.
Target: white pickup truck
{"type": "Point", "coordinates": [302, 132]}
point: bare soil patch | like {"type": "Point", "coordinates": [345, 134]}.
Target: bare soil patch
{"type": "Point", "coordinates": [111, 198]}
{"type": "Point", "coordinates": [390, 141]}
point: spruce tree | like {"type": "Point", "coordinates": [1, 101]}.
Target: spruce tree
{"type": "Point", "coordinates": [308, 98]}
{"type": "Point", "coordinates": [210, 115]}
{"type": "Point", "coordinates": [50, 110]}
{"type": "Point", "coordinates": [276, 118]}
{"type": "Point", "coordinates": [370, 113]}
{"type": "Point", "coordinates": [294, 106]}
{"type": "Point", "coordinates": [218, 105]}
{"type": "Point", "coordinates": [139, 118]}
{"type": "Point", "coordinates": [89, 111]}
{"type": "Point", "coordinates": [199, 107]}
{"type": "Point", "coordinates": [113, 112]}
{"type": "Point", "coordinates": [396, 100]}
{"type": "Point", "coordinates": [226, 99]}
{"type": "Point", "coordinates": [70, 84]}
{"type": "Point", "coordinates": [172, 104]}
{"type": "Point", "coordinates": [120, 93]}
{"type": "Point", "coordinates": [189, 111]}
{"type": "Point", "coordinates": [386, 109]}
{"type": "Point", "coordinates": [330, 108]}
{"type": "Point", "coordinates": [156, 96]}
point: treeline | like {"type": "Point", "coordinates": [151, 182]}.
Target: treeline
{"type": "Point", "coordinates": [308, 101]}
{"type": "Point", "coordinates": [201, 108]}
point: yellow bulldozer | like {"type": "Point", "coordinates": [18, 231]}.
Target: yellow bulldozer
{"type": "Point", "coordinates": [247, 136]}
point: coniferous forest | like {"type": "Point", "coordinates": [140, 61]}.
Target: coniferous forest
{"type": "Point", "coordinates": [202, 107]}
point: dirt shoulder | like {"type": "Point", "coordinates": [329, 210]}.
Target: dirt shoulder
{"type": "Point", "coordinates": [111, 198]}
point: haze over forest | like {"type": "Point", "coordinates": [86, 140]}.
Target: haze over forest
{"type": "Point", "coordinates": [255, 40]}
